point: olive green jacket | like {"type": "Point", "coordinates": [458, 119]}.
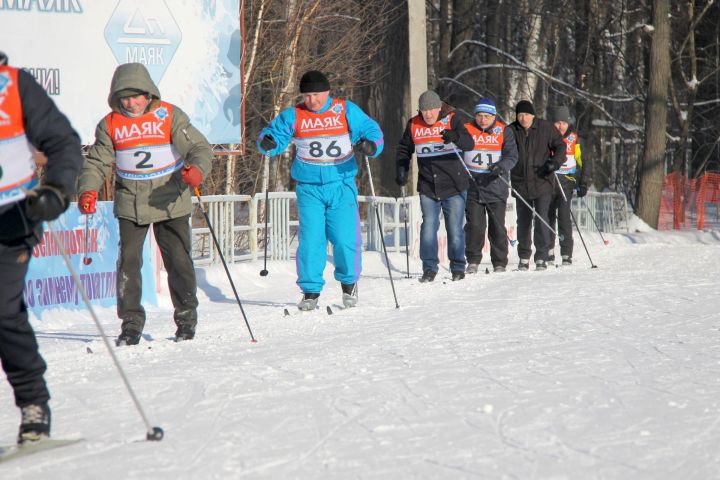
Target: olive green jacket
{"type": "Point", "coordinates": [145, 201]}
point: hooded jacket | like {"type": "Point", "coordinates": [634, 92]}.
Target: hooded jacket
{"type": "Point", "coordinates": [145, 201]}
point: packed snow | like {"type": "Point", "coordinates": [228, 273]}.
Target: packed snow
{"type": "Point", "coordinates": [573, 373]}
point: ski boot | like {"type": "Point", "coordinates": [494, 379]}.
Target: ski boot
{"type": "Point", "coordinates": [184, 332]}
{"type": "Point", "coordinates": [566, 260]}
{"type": "Point", "coordinates": [524, 265]}
{"type": "Point", "coordinates": [350, 295]}
{"type": "Point", "coordinates": [428, 276]}
{"type": "Point", "coordinates": [128, 337]}
{"type": "Point", "coordinates": [309, 302]}
{"type": "Point", "coordinates": [458, 275]}
{"type": "Point", "coordinates": [35, 423]}
{"type": "Point", "coordinates": [472, 268]}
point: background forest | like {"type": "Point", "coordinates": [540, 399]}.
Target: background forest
{"type": "Point", "coordinates": [599, 57]}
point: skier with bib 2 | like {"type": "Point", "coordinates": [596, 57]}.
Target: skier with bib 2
{"type": "Point", "coordinates": [330, 136]}
{"type": "Point", "coordinates": [159, 158]}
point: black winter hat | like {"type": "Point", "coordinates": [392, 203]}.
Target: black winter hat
{"type": "Point", "coordinates": [314, 82]}
{"type": "Point", "coordinates": [524, 106]}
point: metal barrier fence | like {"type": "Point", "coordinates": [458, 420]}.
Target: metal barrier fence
{"type": "Point", "coordinates": [239, 223]}
{"type": "Point", "coordinates": [610, 210]}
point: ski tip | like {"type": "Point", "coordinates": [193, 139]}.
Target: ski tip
{"type": "Point", "coordinates": [286, 313]}
{"type": "Point", "coordinates": [487, 271]}
{"type": "Point", "coordinates": [329, 310]}
{"type": "Point", "coordinates": [88, 350]}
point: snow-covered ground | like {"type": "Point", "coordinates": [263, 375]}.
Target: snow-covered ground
{"type": "Point", "coordinates": [573, 373]}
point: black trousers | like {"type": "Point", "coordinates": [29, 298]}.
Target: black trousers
{"type": "Point", "coordinates": [481, 216]}
{"type": "Point", "coordinates": [540, 234]}
{"type": "Point", "coordinates": [560, 211]}
{"type": "Point", "coordinates": [173, 238]}
{"type": "Point", "coordinates": [21, 360]}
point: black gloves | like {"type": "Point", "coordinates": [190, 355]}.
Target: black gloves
{"type": "Point", "coordinates": [402, 176]}
{"type": "Point", "coordinates": [365, 147]}
{"type": "Point", "coordinates": [496, 169]}
{"type": "Point", "coordinates": [268, 143]}
{"type": "Point", "coordinates": [450, 136]}
{"type": "Point", "coordinates": [547, 168]}
{"type": "Point", "coordinates": [581, 190]}
{"type": "Point", "coordinates": [45, 203]}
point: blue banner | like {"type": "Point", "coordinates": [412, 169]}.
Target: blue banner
{"type": "Point", "coordinates": [49, 284]}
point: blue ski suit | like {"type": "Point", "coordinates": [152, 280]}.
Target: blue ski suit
{"type": "Point", "coordinates": [324, 168]}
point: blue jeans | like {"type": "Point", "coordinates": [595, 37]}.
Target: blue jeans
{"type": "Point", "coordinates": [453, 209]}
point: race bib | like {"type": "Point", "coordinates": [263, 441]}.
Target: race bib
{"type": "Point", "coordinates": [433, 149]}
{"type": "Point", "coordinates": [17, 169]}
{"type": "Point", "coordinates": [327, 150]}
{"type": "Point", "coordinates": [147, 163]}
{"type": "Point", "coordinates": [479, 161]}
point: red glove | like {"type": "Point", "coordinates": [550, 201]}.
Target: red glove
{"type": "Point", "coordinates": [87, 203]}
{"type": "Point", "coordinates": [192, 176]}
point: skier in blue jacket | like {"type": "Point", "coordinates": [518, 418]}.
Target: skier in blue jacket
{"type": "Point", "coordinates": [328, 134]}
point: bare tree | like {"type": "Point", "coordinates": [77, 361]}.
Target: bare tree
{"type": "Point", "coordinates": [653, 162]}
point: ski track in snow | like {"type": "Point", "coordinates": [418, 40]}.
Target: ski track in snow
{"type": "Point", "coordinates": [607, 373]}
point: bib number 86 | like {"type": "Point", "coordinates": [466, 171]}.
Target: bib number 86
{"type": "Point", "coordinates": [332, 150]}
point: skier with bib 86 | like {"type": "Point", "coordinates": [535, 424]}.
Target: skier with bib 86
{"type": "Point", "coordinates": [159, 157]}
{"type": "Point", "coordinates": [329, 133]}
{"type": "Point", "coordinates": [30, 120]}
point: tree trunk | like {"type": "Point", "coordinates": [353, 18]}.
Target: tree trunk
{"type": "Point", "coordinates": [653, 162]}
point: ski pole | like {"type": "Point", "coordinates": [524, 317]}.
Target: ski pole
{"type": "Point", "coordinates": [382, 234]}
{"type": "Point", "coordinates": [606, 242]}
{"type": "Point", "coordinates": [153, 433]}
{"type": "Point", "coordinates": [222, 257]}
{"type": "Point", "coordinates": [86, 259]}
{"type": "Point", "coordinates": [535, 214]}
{"type": "Point", "coordinates": [264, 272]}
{"type": "Point", "coordinates": [407, 239]}
{"type": "Point", "coordinates": [592, 265]}
{"type": "Point", "coordinates": [481, 197]}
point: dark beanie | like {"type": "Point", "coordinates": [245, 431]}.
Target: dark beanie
{"type": "Point", "coordinates": [314, 82]}
{"type": "Point", "coordinates": [562, 114]}
{"type": "Point", "coordinates": [524, 106]}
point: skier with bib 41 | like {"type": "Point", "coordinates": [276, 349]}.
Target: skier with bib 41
{"type": "Point", "coordinates": [329, 134]}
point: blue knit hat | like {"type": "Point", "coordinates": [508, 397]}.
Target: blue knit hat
{"type": "Point", "coordinates": [485, 105]}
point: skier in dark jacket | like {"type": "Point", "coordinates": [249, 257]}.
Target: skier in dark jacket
{"type": "Point", "coordinates": [437, 136]}
{"type": "Point", "coordinates": [574, 174]}
{"type": "Point", "coordinates": [494, 155]}
{"type": "Point", "coordinates": [541, 151]}
{"type": "Point", "coordinates": [29, 120]}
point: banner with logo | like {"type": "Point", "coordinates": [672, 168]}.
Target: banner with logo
{"type": "Point", "coordinates": [190, 47]}
{"type": "Point", "coordinates": [49, 283]}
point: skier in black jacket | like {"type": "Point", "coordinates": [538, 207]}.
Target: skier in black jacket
{"type": "Point", "coordinates": [541, 151]}
{"type": "Point", "coordinates": [438, 137]}
{"type": "Point", "coordinates": [29, 120]}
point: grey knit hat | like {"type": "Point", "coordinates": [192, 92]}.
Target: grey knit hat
{"type": "Point", "coordinates": [429, 100]}
{"type": "Point", "coordinates": [561, 114]}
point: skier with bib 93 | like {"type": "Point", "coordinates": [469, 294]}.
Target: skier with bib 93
{"type": "Point", "coordinates": [159, 158]}
{"type": "Point", "coordinates": [329, 133]}
{"type": "Point", "coordinates": [29, 120]}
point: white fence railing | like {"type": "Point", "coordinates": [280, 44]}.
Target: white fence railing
{"type": "Point", "coordinates": [239, 223]}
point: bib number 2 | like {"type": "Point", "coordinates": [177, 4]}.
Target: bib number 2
{"type": "Point", "coordinates": [144, 162]}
